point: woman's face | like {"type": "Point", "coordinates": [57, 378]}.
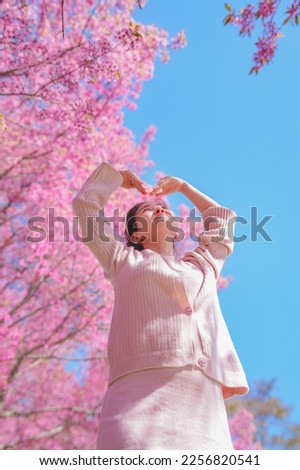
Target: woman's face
{"type": "Point", "coordinates": [153, 220]}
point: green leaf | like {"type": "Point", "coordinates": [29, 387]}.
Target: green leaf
{"type": "Point", "coordinates": [252, 70]}
{"type": "Point", "coordinates": [286, 20]}
{"type": "Point", "coordinates": [228, 19]}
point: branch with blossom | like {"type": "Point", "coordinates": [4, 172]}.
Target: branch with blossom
{"type": "Point", "coordinates": [266, 45]}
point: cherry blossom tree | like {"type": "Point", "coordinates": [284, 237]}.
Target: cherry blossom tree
{"type": "Point", "coordinates": [261, 419]}
{"type": "Point", "coordinates": [264, 11]}
{"type": "Point", "coordinates": [242, 428]}
{"type": "Point", "coordinates": [67, 73]}
{"type": "Point", "coordinates": [63, 91]}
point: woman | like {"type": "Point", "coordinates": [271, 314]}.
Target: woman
{"type": "Point", "coordinates": [170, 356]}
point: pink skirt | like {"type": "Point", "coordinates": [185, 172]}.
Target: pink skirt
{"type": "Point", "coordinates": [164, 408]}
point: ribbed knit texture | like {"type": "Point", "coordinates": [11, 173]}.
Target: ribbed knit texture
{"type": "Point", "coordinates": [166, 311]}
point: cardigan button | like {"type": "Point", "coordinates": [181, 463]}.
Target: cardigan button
{"type": "Point", "coordinates": [188, 310]}
{"type": "Point", "coordinates": [201, 362]}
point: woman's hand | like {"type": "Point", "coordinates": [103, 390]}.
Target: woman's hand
{"type": "Point", "coordinates": [167, 185]}
{"type": "Point", "coordinates": [130, 180]}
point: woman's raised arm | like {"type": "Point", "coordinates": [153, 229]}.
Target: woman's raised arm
{"type": "Point", "coordinates": [96, 231]}
{"type": "Point", "coordinates": [216, 241]}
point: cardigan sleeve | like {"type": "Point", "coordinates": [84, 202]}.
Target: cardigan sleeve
{"type": "Point", "coordinates": [97, 233]}
{"type": "Point", "coordinates": [216, 241]}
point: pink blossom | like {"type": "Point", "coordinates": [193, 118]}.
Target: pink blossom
{"type": "Point", "coordinates": [267, 43]}
{"type": "Point", "coordinates": [247, 20]}
{"type": "Point", "coordinates": [293, 9]}
{"type": "Point", "coordinates": [266, 46]}
{"type": "Point", "coordinates": [179, 41]}
{"type": "Point", "coordinates": [242, 428]}
{"type": "Point", "coordinates": [149, 134]}
{"type": "Point", "coordinates": [267, 7]}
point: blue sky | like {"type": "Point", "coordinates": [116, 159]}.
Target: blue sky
{"type": "Point", "coordinates": [236, 138]}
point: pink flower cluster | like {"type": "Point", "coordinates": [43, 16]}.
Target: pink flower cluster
{"type": "Point", "coordinates": [179, 40]}
{"type": "Point", "coordinates": [266, 44]}
{"type": "Point", "coordinates": [246, 20]}
{"type": "Point", "coordinates": [267, 8]}
{"type": "Point", "coordinates": [242, 429]}
{"type": "Point", "coordinates": [130, 37]}
{"type": "Point", "coordinates": [293, 10]}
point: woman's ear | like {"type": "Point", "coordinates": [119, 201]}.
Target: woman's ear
{"type": "Point", "coordinates": [134, 238]}
{"type": "Point", "coordinates": [137, 238]}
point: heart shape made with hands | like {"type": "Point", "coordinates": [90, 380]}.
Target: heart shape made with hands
{"type": "Point", "coordinates": [150, 190]}
{"type": "Point", "coordinates": [165, 185]}
{"type": "Point", "coordinates": [162, 187]}
{"type": "Point", "coordinates": [159, 188]}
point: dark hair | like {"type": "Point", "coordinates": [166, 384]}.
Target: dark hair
{"type": "Point", "coordinates": [130, 227]}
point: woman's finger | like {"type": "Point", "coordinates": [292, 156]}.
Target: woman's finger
{"type": "Point", "coordinates": [138, 184]}
{"type": "Point", "coordinates": [156, 191]}
{"type": "Point", "coordinates": [141, 187]}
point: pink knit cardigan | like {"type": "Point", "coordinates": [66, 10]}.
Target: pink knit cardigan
{"type": "Point", "coordinates": [166, 311]}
